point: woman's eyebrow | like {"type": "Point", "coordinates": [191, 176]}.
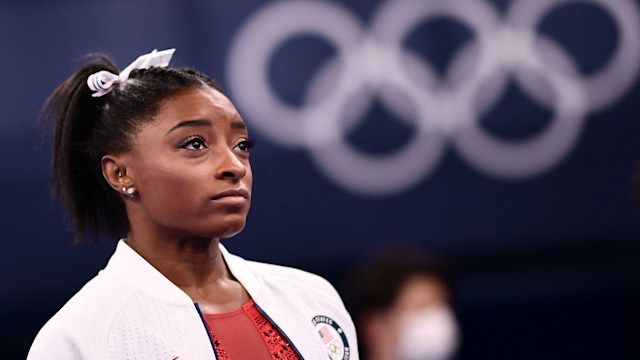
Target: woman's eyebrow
{"type": "Point", "coordinates": [190, 123]}
{"type": "Point", "coordinates": [239, 124]}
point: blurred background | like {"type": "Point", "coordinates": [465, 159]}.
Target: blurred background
{"type": "Point", "coordinates": [501, 135]}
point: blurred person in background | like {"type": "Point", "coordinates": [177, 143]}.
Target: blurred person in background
{"type": "Point", "coordinates": [401, 302]}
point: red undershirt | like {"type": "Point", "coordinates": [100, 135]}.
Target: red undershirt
{"type": "Point", "coordinates": [246, 334]}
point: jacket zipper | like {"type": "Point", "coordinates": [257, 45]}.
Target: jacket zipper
{"type": "Point", "coordinates": [206, 328]}
{"type": "Point", "coordinates": [281, 332]}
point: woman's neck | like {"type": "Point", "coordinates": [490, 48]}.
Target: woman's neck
{"type": "Point", "coordinates": [184, 261]}
{"type": "Point", "coordinates": [196, 266]}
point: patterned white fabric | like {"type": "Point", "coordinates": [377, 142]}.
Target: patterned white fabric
{"type": "Point", "coordinates": [131, 311]}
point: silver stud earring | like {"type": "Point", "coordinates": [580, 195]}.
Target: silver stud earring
{"type": "Point", "coordinates": [129, 191]}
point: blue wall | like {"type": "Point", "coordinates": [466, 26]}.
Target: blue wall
{"type": "Point", "coordinates": [513, 161]}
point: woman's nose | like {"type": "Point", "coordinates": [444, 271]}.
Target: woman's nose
{"type": "Point", "coordinates": [231, 166]}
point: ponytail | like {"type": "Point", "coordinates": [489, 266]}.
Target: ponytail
{"type": "Point", "coordinates": [76, 175]}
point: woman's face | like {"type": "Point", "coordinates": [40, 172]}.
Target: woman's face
{"type": "Point", "coordinates": [190, 167]}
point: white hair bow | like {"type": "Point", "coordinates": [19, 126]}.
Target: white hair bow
{"type": "Point", "coordinates": [103, 81]}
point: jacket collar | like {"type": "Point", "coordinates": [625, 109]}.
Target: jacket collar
{"type": "Point", "coordinates": [128, 266]}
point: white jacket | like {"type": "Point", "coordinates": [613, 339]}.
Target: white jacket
{"type": "Point", "coordinates": [131, 311]}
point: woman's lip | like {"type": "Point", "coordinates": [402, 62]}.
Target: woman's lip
{"type": "Point", "coordinates": [232, 201]}
{"type": "Point", "coordinates": [240, 194]}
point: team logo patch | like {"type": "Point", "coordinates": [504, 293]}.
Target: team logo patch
{"type": "Point", "coordinates": [333, 337]}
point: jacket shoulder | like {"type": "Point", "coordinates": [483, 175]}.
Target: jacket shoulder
{"type": "Point", "coordinates": [83, 322]}
{"type": "Point", "coordinates": [301, 280]}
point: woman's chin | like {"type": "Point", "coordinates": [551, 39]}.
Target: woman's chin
{"type": "Point", "coordinates": [230, 231]}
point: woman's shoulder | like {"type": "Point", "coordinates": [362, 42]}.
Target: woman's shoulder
{"type": "Point", "coordinates": [284, 272]}
{"type": "Point", "coordinates": [96, 298]}
{"type": "Point", "coordinates": [83, 319]}
{"type": "Point", "coordinates": [293, 280]}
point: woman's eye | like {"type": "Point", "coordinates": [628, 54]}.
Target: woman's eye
{"type": "Point", "coordinates": [194, 144]}
{"type": "Point", "coordinates": [246, 145]}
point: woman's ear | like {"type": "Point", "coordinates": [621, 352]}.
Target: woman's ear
{"type": "Point", "coordinates": [114, 170]}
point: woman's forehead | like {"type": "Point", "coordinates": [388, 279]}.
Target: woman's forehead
{"type": "Point", "coordinates": [201, 103]}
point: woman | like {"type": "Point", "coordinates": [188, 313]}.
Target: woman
{"type": "Point", "coordinates": [162, 155]}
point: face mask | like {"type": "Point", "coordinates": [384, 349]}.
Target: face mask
{"type": "Point", "coordinates": [428, 334]}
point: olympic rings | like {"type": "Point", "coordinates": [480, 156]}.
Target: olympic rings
{"type": "Point", "coordinates": [372, 62]}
